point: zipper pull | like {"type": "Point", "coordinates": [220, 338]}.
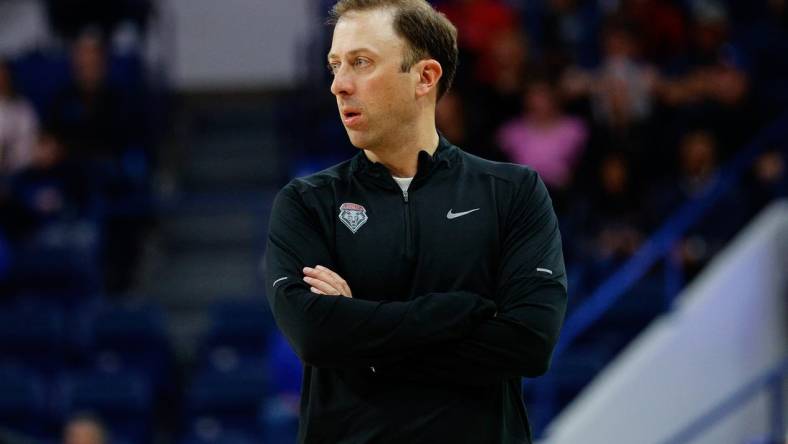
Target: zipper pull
{"type": "Point", "coordinates": [405, 195]}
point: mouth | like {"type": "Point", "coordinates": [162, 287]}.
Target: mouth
{"type": "Point", "coordinates": [351, 118]}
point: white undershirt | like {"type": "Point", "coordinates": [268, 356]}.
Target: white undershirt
{"type": "Point", "coordinates": [403, 182]}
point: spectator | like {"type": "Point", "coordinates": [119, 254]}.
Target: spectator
{"type": "Point", "coordinates": [18, 126]}
{"type": "Point", "coordinates": [617, 224]}
{"type": "Point", "coordinates": [569, 36]}
{"type": "Point", "coordinates": [697, 171]}
{"type": "Point", "coordinates": [494, 58]}
{"type": "Point", "coordinates": [698, 175]}
{"type": "Point", "coordinates": [621, 87]}
{"type": "Point", "coordinates": [543, 137]}
{"type": "Point", "coordinates": [106, 134]}
{"type": "Point", "coordinates": [89, 113]}
{"type": "Point", "coordinates": [503, 65]}
{"type": "Point", "coordinates": [661, 25]}
{"type": "Point", "coordinates": [52, 192]}
{"type": "Point", "coordinates": [478, 21]}
{"type": "Point", "coordinates": [71, 17]}
{"type": "Point", "coordinates": [710, 85]}
{"type": "Point", "coordinates": [497, 94]}
{"type": "Point", "coordinates": [768, 179]}
{"type": "Point", "coordinates": [84, 429]}
{"type": "Point", "coordinates": [605, 222]}
{"type": "Point", "coordinates": [618, 98]}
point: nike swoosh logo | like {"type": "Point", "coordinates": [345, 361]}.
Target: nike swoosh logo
{"type": "Point", "coordinates": [451, 215]}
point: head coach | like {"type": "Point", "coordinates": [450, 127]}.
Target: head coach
{"type": "Point", "coordinates": [417, 283]}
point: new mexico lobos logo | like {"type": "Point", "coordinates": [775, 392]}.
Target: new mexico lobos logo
{"type": "Point", "coordinates": [353, 216]}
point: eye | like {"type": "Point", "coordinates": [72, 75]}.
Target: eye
{"type": "Point", "coordinates": [333, 67]}
{"type": "Point", "coordinates": [360, 62]}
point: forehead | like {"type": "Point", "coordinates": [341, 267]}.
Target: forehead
{"type": "Point", "coordinates": [371, 29]}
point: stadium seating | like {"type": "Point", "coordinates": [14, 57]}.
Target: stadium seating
{"type": "Point", "coordinates": [135, 339]}
{"type": "Point", "coordinates": [32, 336]}
{"type": "Point", "coordinates": [23, 404]}
{"type": "Point", "coordinates": [239, 325]}
{"type": "Point", "coordinates": [230, 389]}
{"type": "Point", "coordinates": [124, 400]}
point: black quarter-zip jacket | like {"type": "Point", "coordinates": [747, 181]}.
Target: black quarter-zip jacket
{"type": "Point", "coordinates": [459, 291]}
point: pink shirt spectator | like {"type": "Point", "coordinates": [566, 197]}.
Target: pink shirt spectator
{"type": "Point", "coordinates": [551, 150]}
{"type": "Point", "coordinates": [18, 128]}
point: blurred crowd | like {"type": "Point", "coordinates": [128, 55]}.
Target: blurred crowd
{"type": "Point", "coordinates": [77, 149]}
{"type": "Point", "coordinates": [77, 142]}
{"type": "Point", "coordinates": [626, 108]}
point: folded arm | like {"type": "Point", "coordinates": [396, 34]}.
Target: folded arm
{"type": "Point", "coordinates": [531, 297]}
{"type": "Point", "coordinates": [336, 331]}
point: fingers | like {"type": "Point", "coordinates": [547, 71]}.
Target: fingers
{"type": "Point", "coordinates": [321, 286]}
{"type": "Point", "coordinates": [327, 281]}
{"type": "Point", "coordinates": [337, 280]}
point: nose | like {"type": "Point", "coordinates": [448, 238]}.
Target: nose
{"type": "Point", "coordinates": [342, 85]}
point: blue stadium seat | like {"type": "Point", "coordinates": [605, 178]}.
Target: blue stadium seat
{"type": "Point", "coordinates": [576, 368]}
{"type": "Point", "coordinates": [40, 75]}
{"type": "Point", "coordinates": [32, 336]}
{"type": "Point", "coordinates": [23, 401]}
{"type": "Point", "coordinates": [279, 418]}
{"type": "Point", "coordinates": [5, 259]}
{"type": "Point", "coordinates": [133, 338]}
{"type": "Point", "coordinates": [244, 326]}
{"type": "Point", "coordinates": [126, 71]}
{"type": "Point", "coordinates": [61, 258]}
{"type": "Point", "coordinates": [230, 390]}
{"type": "Point", "coordinates": [209, 431]}
{"type": "Point", "coordinates": [284, 367]}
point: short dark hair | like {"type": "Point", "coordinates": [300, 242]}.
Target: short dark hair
{"type": "Point", "coordinates": [429, 33]}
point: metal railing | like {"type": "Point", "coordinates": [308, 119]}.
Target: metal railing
{"type": "Point", "coordinates": [659, 245]}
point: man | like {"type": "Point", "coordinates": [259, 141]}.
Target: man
{"type": "Point", "coordinates": [417, 283]}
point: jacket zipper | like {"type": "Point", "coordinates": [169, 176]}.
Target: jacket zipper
{"type": "Point", "coordinates": [408, 236]}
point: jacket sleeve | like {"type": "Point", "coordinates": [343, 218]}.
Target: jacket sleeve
{"type": "Point", "coordinates": [531, 297]}
{"type": "Point", "coordinates": [336, 331]}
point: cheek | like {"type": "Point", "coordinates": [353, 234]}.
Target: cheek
{"type": "Point", "coordinates": [388, 93]}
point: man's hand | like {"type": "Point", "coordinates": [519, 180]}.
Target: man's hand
{"type": "Point", "coordinates": [326, 282]}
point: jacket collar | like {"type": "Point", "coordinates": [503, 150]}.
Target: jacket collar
{"type": "Point", "coordinates": [446, 154]}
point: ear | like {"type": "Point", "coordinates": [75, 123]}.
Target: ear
{"type": "Point", "coordinates": [430, 72]}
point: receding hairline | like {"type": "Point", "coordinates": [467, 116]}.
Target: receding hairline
{"type": "Point", "coordinates": [334, 17]}
{"type": "Point", "coordinates": [353, 13]}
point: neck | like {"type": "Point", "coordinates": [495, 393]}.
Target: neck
{"type": "Point", "coordinates": [401, 157]}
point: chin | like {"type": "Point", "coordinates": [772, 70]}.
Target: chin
{"type": "Point", "coordinates": [359, 140]}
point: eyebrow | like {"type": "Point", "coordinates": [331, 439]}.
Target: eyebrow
{"type": "Point", "coordinates": [351, 52]}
